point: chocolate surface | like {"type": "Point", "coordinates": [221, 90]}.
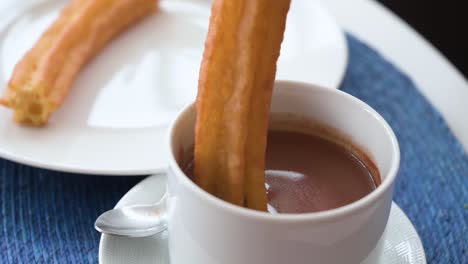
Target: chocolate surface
{"type": "Point", "coordinates": [307, 173]}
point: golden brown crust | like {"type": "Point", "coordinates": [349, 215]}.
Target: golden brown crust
{"type": "Point", "coordinates": [233, 103]}
{"type": "Point", "coordinates": [43, 77]}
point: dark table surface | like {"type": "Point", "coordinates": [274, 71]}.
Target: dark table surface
{"type": "Point", "coordinates": [443, 23]}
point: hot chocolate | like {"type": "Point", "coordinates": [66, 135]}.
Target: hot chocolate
{"type": "Point", "coordinates": [311, 172]}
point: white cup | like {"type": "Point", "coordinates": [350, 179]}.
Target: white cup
{"type": "Point", "coordinates": [206, 230]}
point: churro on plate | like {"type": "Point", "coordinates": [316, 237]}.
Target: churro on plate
{"type": "Point", "coordinates": [44, 76]}
{"type": "Point", "coordinates": [234, 95]}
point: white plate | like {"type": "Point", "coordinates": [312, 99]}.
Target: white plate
{"type": "Point", "coordinates": [115, 119]}
{"type": "Point", "coordinates": [400, 244]}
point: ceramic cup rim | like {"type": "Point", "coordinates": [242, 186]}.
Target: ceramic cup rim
{"type": "Point", "coordinates": [327, 215]}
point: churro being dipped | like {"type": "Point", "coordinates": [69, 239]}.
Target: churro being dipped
{"type": "Point", "coordinates": [234, 96]}
{"type": "Point", "coordinates": [44, 76]}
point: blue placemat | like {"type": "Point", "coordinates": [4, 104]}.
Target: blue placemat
{"type": "Point", "coordinates": [48, 216]}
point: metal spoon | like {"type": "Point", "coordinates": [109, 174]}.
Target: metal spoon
{"type": "Point", "coordinates": [134, 221]}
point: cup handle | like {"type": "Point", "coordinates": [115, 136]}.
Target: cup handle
{"type": "Point", "coordinates": [135, 220]}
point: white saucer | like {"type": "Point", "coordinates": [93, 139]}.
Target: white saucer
{"type": "Point", "coordinates": [115, 119]}
{"type": "Point", "coordinates": [400, 243]}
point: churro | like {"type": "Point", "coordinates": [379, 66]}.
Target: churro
{"type": "Point", "coordinates": [44, 76]}
{"type": "Point", "coordinates": [234, 96]}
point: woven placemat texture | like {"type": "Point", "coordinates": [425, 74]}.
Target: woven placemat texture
{"type": "Point", "coordinates": [48, 217]}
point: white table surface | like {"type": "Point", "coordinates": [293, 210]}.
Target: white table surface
{"type": "Point", "coordinates": [437, 78]}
